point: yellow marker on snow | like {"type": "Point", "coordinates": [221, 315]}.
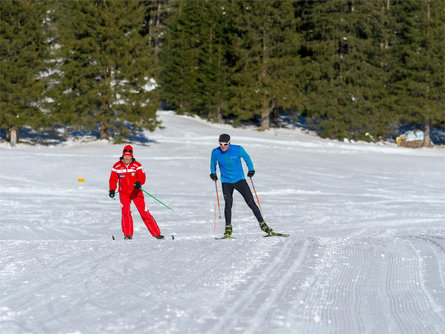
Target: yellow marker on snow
{"type": "Point", "coordinates": [81, 180]}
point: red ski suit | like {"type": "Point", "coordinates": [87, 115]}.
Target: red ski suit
{"type": "Point", "coordinates": [127, 177]}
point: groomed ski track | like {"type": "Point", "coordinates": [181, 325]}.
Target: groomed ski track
{"type": "Point", "coordinates": [317, 285]}
{"type": "Point", "coordinates": [366, 251]}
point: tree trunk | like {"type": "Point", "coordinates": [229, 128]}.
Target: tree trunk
{"type": "Point", "coordinates": [158, 24]}
{"type": "Point", "coordinates": [216, 117]}
{"type": "Point", "coordinates": [13, 136]}
{"type": "Point", "coordinates": [103, 131]}
{"type": "Point", "coordinates": [218, 114]}
{"type": "Point", "coordinates": [427, 141]}
{"type": "Point", "coordinates": [265, 114]}
{"type": "Point", "coordinates": [265, 119]}
{"type": "Point", "coordinates": [276, 115]}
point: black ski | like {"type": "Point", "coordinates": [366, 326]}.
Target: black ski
{"type": "Point", "coordinates": [112, 237]}
{"type": "Point", "coordinates": [275, 234]}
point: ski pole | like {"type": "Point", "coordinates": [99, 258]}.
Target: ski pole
{"type": "Point", "coordinates": [157, 199]}
{"type": "Point", "coordinates": [217, 199]}
{"type": "Point", "coordinates": [214, 221]}
{"type": "Point", "coordinates": [255, 194]}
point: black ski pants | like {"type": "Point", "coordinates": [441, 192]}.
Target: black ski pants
{"type": "Point", "coordinates": [244, 190]}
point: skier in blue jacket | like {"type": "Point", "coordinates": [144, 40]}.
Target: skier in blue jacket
{"type": "Point", "coordinates": [228, 157]}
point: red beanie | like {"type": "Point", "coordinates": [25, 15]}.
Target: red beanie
{"type": "Point", "coordinates": [128, 150]}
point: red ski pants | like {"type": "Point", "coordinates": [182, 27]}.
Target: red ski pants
{"type": "Point", "coordinates": [127, 219]}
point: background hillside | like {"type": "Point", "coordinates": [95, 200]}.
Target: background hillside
{"type": "Point", "coordinates": [355, 69]}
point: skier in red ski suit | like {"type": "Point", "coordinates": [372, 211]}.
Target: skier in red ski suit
{"type": "Point", "coordinates": [131, 177]}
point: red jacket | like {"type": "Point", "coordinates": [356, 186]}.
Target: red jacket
{"type": "Point", "coordinates": [127, 176]}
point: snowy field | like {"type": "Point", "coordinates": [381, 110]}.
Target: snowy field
{"type": "Point", "coordinates": [366, 252]}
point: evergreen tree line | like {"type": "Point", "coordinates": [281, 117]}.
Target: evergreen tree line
{"type": "Point", "coordinates": [354, 69]}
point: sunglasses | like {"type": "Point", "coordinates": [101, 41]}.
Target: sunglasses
{"type": "Point", "coordinates": [224, 144]}
{"type": "Point", "coordinates": [128, 151]}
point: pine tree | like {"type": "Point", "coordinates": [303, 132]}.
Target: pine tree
{"type": "Point", "coordinates": [194, 78]}
{"type": "Point", "coordinates": [419, 66]}
{"type": "Point", "coordinates": [214, 71]}
{"type": "Point", "coordinates": [179, 58]}
{"type": "Point", "coordinates": [107, 71]}
{"type": "Point", "coordinates": [23, 49]}
{"type": "Point", "coordinates": [157, 15]}
{"type": "Point", "coordinates": [267, 69]}
{"type": "Point", "coordinates": [347, 95]}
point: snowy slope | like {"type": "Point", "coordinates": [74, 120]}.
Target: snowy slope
{"type": "Point", "coordinates": [366, 252]}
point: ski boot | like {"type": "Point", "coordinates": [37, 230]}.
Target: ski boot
{"type": "Point", "coordinates": [160, 236]}
{"type": "Point", "coordinates": [128, 237]}
{"type": "Point", "coordinates": [228, 231]}
{"type": "Point", "coordinates": [270, 232]}
{"type": "Point", "coordinates": [266, 228]}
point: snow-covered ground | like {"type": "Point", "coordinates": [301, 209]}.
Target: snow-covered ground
{"type": "Point", "coordinates": [366, 252]}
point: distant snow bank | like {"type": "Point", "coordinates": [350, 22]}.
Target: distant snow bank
{"type": "Point", "coordinates": [293, 132]}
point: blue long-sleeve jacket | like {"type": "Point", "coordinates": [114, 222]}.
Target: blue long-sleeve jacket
{"type": "Point", "coordinates": [230, 163]}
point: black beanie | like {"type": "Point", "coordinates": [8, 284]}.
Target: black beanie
{"type": "Point", "coordinates": [224, 138]}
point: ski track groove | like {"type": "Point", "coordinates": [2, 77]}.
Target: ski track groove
{"type": "Point", "coordinates": [434, 309]}
{"type": "Point", "coordinates": [277, 290]}
{"type": "Point", "coordinates": [413, 307]}
{"type": "Point", "coordinates": [355, 280]}
{"type": "Point", "coordinates": [421, 279]}
{"type": "Point", "coordinates": [343, 295]}
{"type": "Point", "coordinates": [403, 298]}
{"type": "Point", "coordinates": [225, 323]}
{"type": "Point", "coordinates": [434, 243]}
{"type": "Point", "coordinates": [397, 309]}
{"type": "Point", "coordinates": [431, 240]}
{"type": "Point", "coordinates": [333, 283]}
{"type": "Point", "coordinates": [441, 270]}
{"type": "Point", "coordinates": [338, 283]}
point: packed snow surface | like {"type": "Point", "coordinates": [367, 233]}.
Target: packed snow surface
{"type": "Point", "coordinates": [366, 252]}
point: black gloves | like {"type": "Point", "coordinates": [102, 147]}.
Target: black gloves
{"type": "Point", "coordinates": [137, 185]}
{"type": "Point", "coordinates": [111, 194]}
{"type": "Point", "coordinates": [251, 173]}
{"type": "Point", "coordinates": [213, 177]}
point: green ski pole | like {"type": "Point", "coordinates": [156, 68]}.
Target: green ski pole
{"type": "Point", "coordinates": [157, 199]}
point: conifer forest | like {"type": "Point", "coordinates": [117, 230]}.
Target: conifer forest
{"type": "Point", "coordinates": [351, 69]}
